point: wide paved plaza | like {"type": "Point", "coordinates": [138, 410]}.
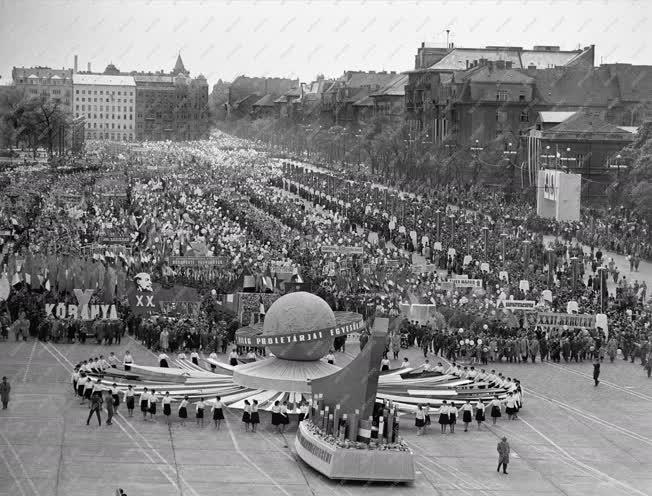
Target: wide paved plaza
{"type": "Point", "coordinates": [572, 439]}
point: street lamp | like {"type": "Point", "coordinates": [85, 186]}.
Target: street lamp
{"type": "Point", "coordinates": [503, 237]}
{"type": "Point", "coordinates": [476, 149]}
{"type": "Point", "coordinates": [574, 266]}
{"type": "Point", "coordinates": [567, 158]}
{"type": "Point", "coordinates": [550, 252]}
{"type": "Point", "coordinates": [618, 164]}
{"type": "Point", "coordinates": [547, 156]}
{"type": "Point", "coordinates": [508, 152]}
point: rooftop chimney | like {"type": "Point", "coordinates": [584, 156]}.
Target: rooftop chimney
{"type": "Point", "coordinates": [89, 67]}
{"type": "Point", "coordinates": [75, 67]}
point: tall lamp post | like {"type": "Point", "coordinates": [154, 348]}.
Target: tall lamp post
{"type": "Point", "coordinates": [550, 252]}
{"type": "Point", "coordinates": [602, 275]}
{"type": "Point", "coordinates": [475, 151]}
{"type": "Point", "coordinates": [509, 156]}
{"type": "Point", "coordinates": [566, 159]}
{"type": "Point", "coordinates": [618, 164]}
{"type": "Point", "coordinates": [574, 267]}
{"type": "Point", "coordinates": [503, 238]}
{"type": "Point", "coordinates": [547, 156]}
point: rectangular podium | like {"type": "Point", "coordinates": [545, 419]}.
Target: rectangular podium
{"type": "Point", "coordinates": [558, 195]}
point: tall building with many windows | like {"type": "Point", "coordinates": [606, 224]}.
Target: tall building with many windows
{"type": "Point", "coordinates": [53, 84]}
{"type": "Point", "coordinates": [108, 104]}
{"type": "Point", "coordinates": [171, 106]}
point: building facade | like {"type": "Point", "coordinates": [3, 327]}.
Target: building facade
{"type": "Point", "coordinates": [347, 100]}
{"type": "Point", "coordinates": [54, 85]}
{"type": "Point", "coordinates": [581, 143]}
{"type": "Point", "coordinates": [108, 105]}
{"type": "Point", "coordinates": [171, 106]}
{"type": "Point", "coordinates": [495, 82]}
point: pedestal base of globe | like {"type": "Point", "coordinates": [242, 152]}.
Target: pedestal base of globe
{"type": "Point", "coordinates": [353, 464]}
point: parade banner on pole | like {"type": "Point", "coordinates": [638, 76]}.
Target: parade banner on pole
{"type": "Point", "coordinates": [280, 266]}
{"type": "Point", "coordinates": [198, 261]}
{"type": "Point", "coordinates": [548, 320]}
{"type": "Point", "coordinates": [466, 283]}
{"type": "Point", "coordinates": [424, 269]}
{"type": "Point", "coordinates": [115, 240]}
{"type": "Point", "coordinates": [518, 304]}
{"type": "Point", "coordinates": [344, 250]}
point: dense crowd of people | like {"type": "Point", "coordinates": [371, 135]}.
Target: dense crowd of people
{"type": "Point", "coordinates": [377, 249]}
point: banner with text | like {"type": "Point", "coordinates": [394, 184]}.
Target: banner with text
{"type": "Point", "coordinates": [554, 320]}
{"type": "Point", "coordinates": [344, 250]}
{"type": "Point", "coordinates": [466, 283]}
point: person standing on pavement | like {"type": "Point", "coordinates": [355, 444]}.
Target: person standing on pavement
{"type": "Point", "coordinates": [503, 455]}
{"type": "Point", "coordinates": [5, 389]}
{"type": "Point", "coordinates": [596, 370]}
{"type": "Point", "coordinates": [109, 407]}
{"type": "Point", "coordinates": [96, 407]}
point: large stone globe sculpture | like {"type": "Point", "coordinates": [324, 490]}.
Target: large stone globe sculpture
{"type": "Point", "coordinates": [298, 313]}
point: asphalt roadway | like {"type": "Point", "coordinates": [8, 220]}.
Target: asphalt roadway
{"type": "Point", "coordinates": [572, 439]}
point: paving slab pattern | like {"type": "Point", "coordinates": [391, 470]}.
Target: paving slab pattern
{"type": "Point", "coordinates": [572, 439]}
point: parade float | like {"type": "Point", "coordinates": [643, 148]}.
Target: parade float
{"type": "Point", "coordinates": [352, 427]}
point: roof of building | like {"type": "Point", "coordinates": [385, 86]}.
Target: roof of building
{"type": "Point", "coordinates": [266, 101]}
{"type": "Point", "coordinates": [152, 78]}
{"type": "Point", "coordinates": [373, 80]}
{"type": "Point", "coordinates": [366, 101]}
{"type": "Point", "coordinates": [629, 129]}
{"type": "Point", "coordinates": [395, 87]}
{"type": "Point", "coordinates": [355, 94]}
{"type": "Point", "coordinates": [317, 87]}
{"type": "Point", "coordinates": [40, 72]}
{"type": "Point", "coordinates": [103, 79]}
{"type": "Point", "coordinates": [553, 117]}
{"type": "Point", "coordinates": [586, 122]}
{"type": "Point", "coordinates": [575, 86]}
{"type": "Point", "coordinates": [634, 81]}
{"type": "Point", "coordinates": [250, 97]}
{"type": "Point", "coordinates": [545, 59]}
{"type": "Point", "coordinates": [460, 58]}
{"type": "Point", "coordinates": [487, 74]}
{"type": "Point", "coordinates": [111, 70]}
{"type": "Point", "coordinates": [178, 66]}
{"type": "Point", "coordinates": [293, 92]}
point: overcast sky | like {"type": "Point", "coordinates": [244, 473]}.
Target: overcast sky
{"type": "Point", "coordinates": [302, 39]}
